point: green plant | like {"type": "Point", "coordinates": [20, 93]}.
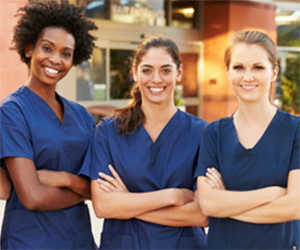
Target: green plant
{"type": "Point", "coordinates": [290, 85]}
{"type": "Point", "coordinates": [178, 101]}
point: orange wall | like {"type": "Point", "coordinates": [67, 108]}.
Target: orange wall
{"type": "Point", "coordinates": [221, 20]}
{"type": "Point", "coordinates": [13, 73]}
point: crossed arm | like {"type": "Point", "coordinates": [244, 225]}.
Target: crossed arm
{"type": "Point", "coordinates": [45, 190]}
{"type": "Point", "coordinates": [266, 205]}
{"type": "Point", "coordinates": [169, 207]}
{"type": "Point", "coordinates": [5, 184]}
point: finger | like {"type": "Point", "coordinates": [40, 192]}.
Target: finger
{"type": "Point", "coordinates": [105, 185]}
{"type": "Point", "coordinates": [117, 177]}
{"type": "Point", "coordinates": [109, 179]}
{"type": "Point", "coordinates": [213, 179]}
{"type": "Point", "coordinates": [212, 184]}
{"type": "Point", "coordinates": [217, 173]}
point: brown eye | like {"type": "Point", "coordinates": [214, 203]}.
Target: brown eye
{"type": "Point", "coordinates": [237, 67]}
{"type": "Point", "coordinates": [47, 48]}
{"type": "Point", "coordinates": [67, 54]}
{"type": "Point", "coordinates": [259, 67]}
{"type": "Point", "coordinates": [146, 71]}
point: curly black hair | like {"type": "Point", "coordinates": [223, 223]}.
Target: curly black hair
{"type": "Point", "coordinates": [36, 16]}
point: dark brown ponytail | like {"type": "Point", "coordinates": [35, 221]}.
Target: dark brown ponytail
{"type": "Point", "coordinates": [131, 117]}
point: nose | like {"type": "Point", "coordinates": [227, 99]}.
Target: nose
{"type": "Point", "coordinates": [156, 77]}
{"type": "Point", "coordinates": [55, 58]}
{"type": "Point", "coordinates": [248, 76]}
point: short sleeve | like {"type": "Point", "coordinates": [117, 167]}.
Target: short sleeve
{"type": "Point", "coordinates": [86, 165]}
{"type": "Point", "coordinates": [208, 151]}
{"type": "Point", "coordinates": [295, 159]}
{"type": "Point", "coordinates": [101, 155]}
{"type": "Point", "coordinates": [15, 135]}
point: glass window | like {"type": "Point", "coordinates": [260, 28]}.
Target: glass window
{"type": "Point", "coordinates": [185, 14]}
{"type": "Point", "coordinates": [97, 9]}
{"type": "Point", "coordinates": [146, 12]}
{"type": "Point", "coordinates": [90, 77]}
{"type": "Point", "coordinates": [121, 79]}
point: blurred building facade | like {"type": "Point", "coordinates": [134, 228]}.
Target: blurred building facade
{"type": "Point", "coordinates": [201, 29]}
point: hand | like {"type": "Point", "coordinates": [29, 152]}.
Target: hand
{"type": "Point", "coordinates": [183, 196]}
{"type": "Point", "coordinates": [52, 178]}
{"type": "Point", "coordinates": [110, 184]}
{"type": "Point", "coordinates": [214, 179]}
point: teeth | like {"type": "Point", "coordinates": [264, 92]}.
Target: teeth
{"type": "Point", "coordinates": [52, 71]}
{"type": "Point", "coordinates": [248, 87]}
{"type": "Point", "coordinates": [156, 89]}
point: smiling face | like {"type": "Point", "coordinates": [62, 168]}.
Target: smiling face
{"type": "Point", "coordinates": [51, 57]}
{"type": "Point", "coordinates": [157, 74]}
{"type": "Point", "coordinates": [251, 72]}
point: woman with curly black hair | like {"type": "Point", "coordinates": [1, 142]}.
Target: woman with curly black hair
{"type": "Point", "coordinates": [44, 137]}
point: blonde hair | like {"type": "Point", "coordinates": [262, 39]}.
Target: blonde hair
{"type": "Point", "coordinates": [252, 37]}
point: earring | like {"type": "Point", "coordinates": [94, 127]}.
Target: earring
{"type": "Point", "coordinates": [28, 54]}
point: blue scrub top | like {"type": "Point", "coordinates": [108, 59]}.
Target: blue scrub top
{"type": "Point", "coordinates": [267, 164]}
{"type": "Point", "coordinates": [31, 129]}
{"type": "Point", "coordinates": [145, 166]}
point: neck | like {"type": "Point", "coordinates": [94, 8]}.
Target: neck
{"type": "Point", "coordinates": [155, 114]}
{"type": "Point", "coordinates": [255, 112]}
{"type": "Point", "coordinates": [47, 93]}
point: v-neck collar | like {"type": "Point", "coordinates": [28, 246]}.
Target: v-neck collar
{"type": "Point", "coordinates": [261, 139]}
{"type": "Point", "coordinates": [165, 131]}
{"type": "Point", "coordinates": [48, 109]}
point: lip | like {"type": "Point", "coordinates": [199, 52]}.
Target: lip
{"type": "Point", "coordinates": [156, 90]}
{"type": "Point", "coordinates": [248, 87]}
{"type": "Point", "coordinates": [51, 72]}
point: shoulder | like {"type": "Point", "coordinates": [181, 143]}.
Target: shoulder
{"type": "Point", "coordinates": [14, 100]}
{"type": "Point", "coordinates": [107, 123]}
{"type": "Point", "coordinates": [216, 128]}
{"type": "Point", "coordinates": [288, 118]}
{"type": "Point", "coordinates": [192, 120]}
{"type": "Point", "coordinates": [286, 122]}
{"type": "Point", "coordinates": [219, 124]}
{"type": "Point", "coordinates": [106, 128]}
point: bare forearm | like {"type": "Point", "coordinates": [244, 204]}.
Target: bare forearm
{"type": "Point", "coordinates": [189, 214]}
{"type": "Point", "coordinates": [5, 184]}
{"type": "Point", "coordinates": [277, 211]}
{"type": "Point", "coordinates": [125, 205]}
{"type": "Point", "coordinates": [224, 203]}
{"type": "Point", "coordinates": [79, 185]}
{"type": "Point", "coordinates": [66, 180]}
{"type": "Point", "coordinates": [285, 208]}
{"type": "Point", "coordinates": [128, 205]}
{"type": "Point", "coordinates": [32, 193]}
{"type": "Point", "coordinates": [52, 198]}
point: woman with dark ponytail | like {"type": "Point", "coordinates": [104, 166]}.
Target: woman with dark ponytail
{"type": "Point", "coordinates": [147, 197]}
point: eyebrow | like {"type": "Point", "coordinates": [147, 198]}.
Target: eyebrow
{"type": "Point", "coordinates": [163, 66]}
{"type": "Point", "coordinates": [46, 40]}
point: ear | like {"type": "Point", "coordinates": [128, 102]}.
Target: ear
{"type": "Point", "coordinates": [275, 73]}
{"type": "Point", "coordinates": [28, 50]}
{"type": "Point", "coordinates": [227, 73]}
{"type": "Point", "coordinates": [179, 73]}
{"type": "Point", "coordinates": [134, 73]}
